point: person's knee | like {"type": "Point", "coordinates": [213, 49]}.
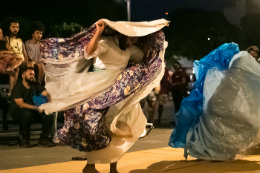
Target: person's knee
{"type": "Point", "coordinates": [39, 65]}
{"type": "Point", "coordinates": [49, 118]}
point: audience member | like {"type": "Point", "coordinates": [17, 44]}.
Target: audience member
{"type": "Point", "coordinates": [8, 59]}
{"type": "Point", "coordinates": [151, 100]}
{"type": "Point", "coordinates": [33, 49]}
{"type": "Point", "coordinates": [23, 109]}
{"type": "Point", "coordinates": [165, 87]}
{"type": "Point", "coordinates": [254, 52]}
{"type": "Point", "coordinates": [178, 85]}
{"type": "Point", "coordinates": [14, 44]}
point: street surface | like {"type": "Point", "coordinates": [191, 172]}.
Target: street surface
{"type": "Point", "coordinates": [148, 155]}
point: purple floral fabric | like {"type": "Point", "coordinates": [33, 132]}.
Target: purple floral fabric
{"type": "Point", "coordinates": [84, 127]}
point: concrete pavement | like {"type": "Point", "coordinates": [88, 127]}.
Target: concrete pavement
{"type": "Point", "coordinates": [148, 155]}
{"type": "Point", "coordinates": [161, 160]}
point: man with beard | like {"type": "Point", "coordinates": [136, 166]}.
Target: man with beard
{"type": "Point", "coordinates": [14, 44]}
{"type": "Point", "coordinates": [33, 49]}
{"type": "Point", "coordinates": [23, 109]}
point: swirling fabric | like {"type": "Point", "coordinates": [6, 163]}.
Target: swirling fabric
{"type": "Point", "coordinates": [91, 123]}
{"type": "Point", "coordinates": [227, 124]}
{"type": "Point", "coordinates": [192, 106]}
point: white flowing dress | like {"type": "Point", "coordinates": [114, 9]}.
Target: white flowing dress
{"type": "Point", "coordinates": [72, 88]}
{"type": "Point", "coordinates": [112, 61]}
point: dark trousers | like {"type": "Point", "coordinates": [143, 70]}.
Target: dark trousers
{"type": "Point", "coordinates": [177, 97]}
{"type": "Point", "coordinates": [26, 118]}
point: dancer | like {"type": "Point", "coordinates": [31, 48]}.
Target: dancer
{"type": "Point", "coordinates": [102, 111]}
{"type": "Point", "coordinates": [220, 118]}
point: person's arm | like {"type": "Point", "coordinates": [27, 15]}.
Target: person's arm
{"type": "Point", "coordinates": [26, 48]}
{"type": "Point", "coordinates": [92, 45]}
{"type": "Point", "coordinates": [45, 93]}
{"type": "Point", "coordinates": [146, 45]}
{"type": "Point", "coordinates": [22, 104]}
{"type": "Point", "coordinates": [26, 58]}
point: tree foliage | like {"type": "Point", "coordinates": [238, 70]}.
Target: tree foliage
{"type": "Point", "coordinates": [64, 30]}
{"type": "Point", "coordinates": [63, 15]}
{"type": "Point", "coordinates": [193, 33]}
{"type": "Point", "coordinates": [250, 30]}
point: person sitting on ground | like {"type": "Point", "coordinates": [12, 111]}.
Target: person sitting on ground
{"type": "Point", "coordinates": [33, 49]}
{"type": "Point", "coordinates": [23, 109]}
{"type": "Point", "coordinates": [253, 51]}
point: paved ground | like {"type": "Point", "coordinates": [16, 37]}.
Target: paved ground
{"type": "Point", "coordinates": [148, 155]}
{"type": "Point", "coordinates": [13, 156]}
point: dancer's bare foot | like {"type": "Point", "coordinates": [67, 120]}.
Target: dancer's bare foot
{"type": "Point", "coordinates": [113, 168]}
{"type": "Point", "coordinates": [90, 168]}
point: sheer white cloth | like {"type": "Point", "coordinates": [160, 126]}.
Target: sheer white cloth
{"type": "Point", "coordinates": [118, 146]}
{"type": "Point", "coordinates": [69, 87]}
{"type": "Point", "coordinates": [123, 119]}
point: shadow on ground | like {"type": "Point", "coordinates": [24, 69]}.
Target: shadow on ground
{"type": "Point", "coordinates": [201, 167]}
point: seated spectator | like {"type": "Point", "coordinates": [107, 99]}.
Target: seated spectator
{"type": "Point", "coordinates": [9, 62]}
{"type": "Point", "coordinates": [253, 51]}
{"type": "Point", "coordinates": [33, 49]}
{"type": "Point", "coordinates": [15, 45]}
{"type": "Point", "coordinates": [23, 109]}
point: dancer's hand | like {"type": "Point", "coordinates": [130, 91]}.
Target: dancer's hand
{"type": "Point", "coordinates": [41, 110]}
{"type": "Point", "coordinates": [100, 25]}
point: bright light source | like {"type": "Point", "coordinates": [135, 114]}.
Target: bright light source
{"type": "Point", "coordinates": [208, 38]}
{"type": "Point", "coordinates": [166, 13]}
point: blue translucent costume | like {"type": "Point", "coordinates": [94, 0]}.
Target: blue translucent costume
{"type": "Point", "coordinates": [220, 118]}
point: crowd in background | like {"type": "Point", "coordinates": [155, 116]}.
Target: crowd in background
{"type": "Point", "coordinates": [23, 63]}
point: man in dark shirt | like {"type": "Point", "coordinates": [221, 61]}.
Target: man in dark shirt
{"type": "Point", "coordinates": [178, 84]}
{"type": "Point", "coordinates": [22, 108]}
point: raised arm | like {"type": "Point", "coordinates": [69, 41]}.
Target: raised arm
{"type": "Point", "coordinates": [92, 45]}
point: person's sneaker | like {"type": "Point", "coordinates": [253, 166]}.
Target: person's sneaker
{"type": "Point", "coordinates": [25, 143]}
{"type": "Point", "coordinates": [45, 142]}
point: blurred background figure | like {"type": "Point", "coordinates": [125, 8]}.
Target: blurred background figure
{"type": "Point", "coordinates": [178, 85]}
{"type": "Point", "coordinates": [254, 52]}
{"type": "Point", "coordinates": [151, 100]}
{"type": "Point", "coordinates": [165, 87]}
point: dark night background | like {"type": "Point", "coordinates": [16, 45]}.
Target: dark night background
{"type": "Point", "coordinates": [197, 26]}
